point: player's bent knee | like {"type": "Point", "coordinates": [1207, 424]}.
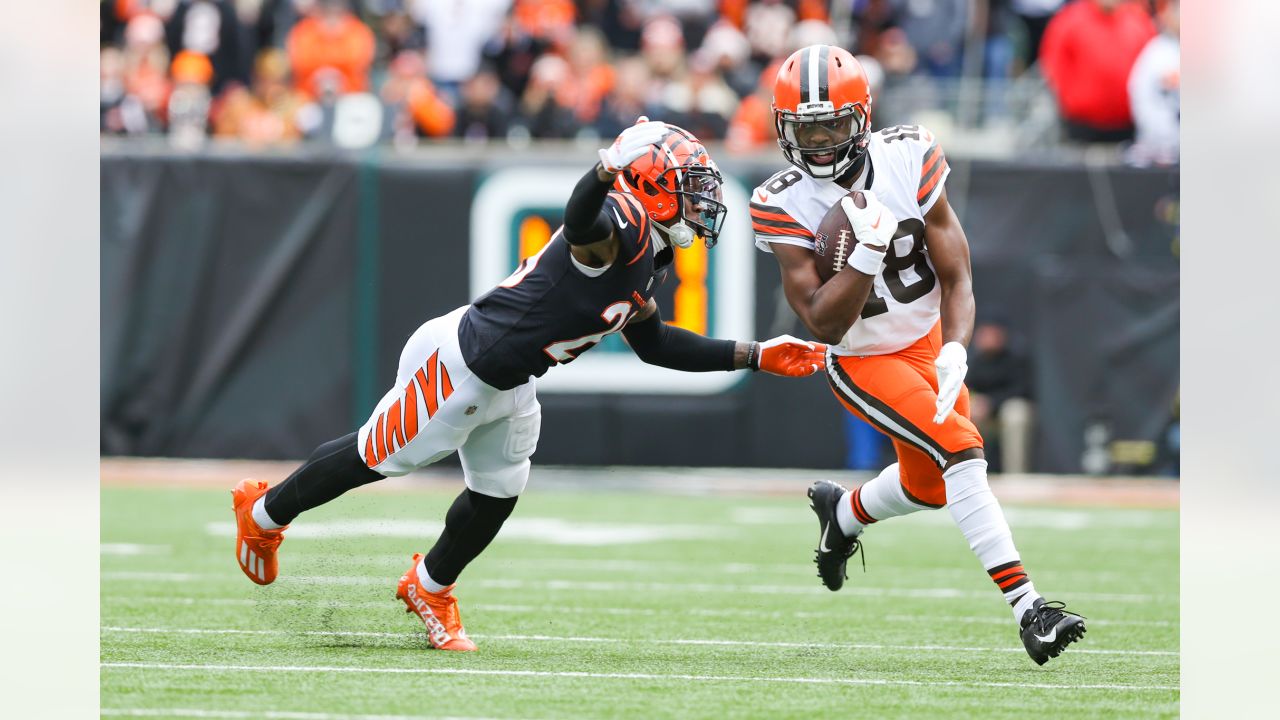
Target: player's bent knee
{"type": "Point", "coordinates": [495, 459]}
{"type": "Point", "coordinates": [959, 457]}
{"type": "Point", "coordinates": [505, 483]}
{"type": "Point", "coordinates": [522, 436]}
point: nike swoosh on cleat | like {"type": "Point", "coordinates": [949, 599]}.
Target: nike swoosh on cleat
{"type": "Point", "coordinates": [621, 223]}
{"type": "Point", "coordinates": [822, 544]}
{"type": "Point", "coordinates": [1053, 635]}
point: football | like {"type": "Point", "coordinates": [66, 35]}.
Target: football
{"type": "Point", "coordinates": [834, 239]}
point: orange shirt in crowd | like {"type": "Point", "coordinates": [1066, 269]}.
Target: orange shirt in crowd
{"type": "Point", "coordinates": [591, 92]}
{"type": "Point", "coordinates": [431, 113]}
{"type": "Point", "coordinates": [344, 44]}
{"type": "Point", "coordinates": [752, 125]}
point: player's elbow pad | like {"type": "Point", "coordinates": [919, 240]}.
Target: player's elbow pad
{"type": "Point", "coordinates": [658, 343]}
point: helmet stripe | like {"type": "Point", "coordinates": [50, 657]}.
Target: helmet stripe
{"type": "Point", "coordinates": [804, 74]}
{"type": "Point", "coordinates": [823, 92]}
{"type": "Point", "coordinates": [812, 59]}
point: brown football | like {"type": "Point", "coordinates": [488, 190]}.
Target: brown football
{"type": "Point", "coordinates": [834, 239]}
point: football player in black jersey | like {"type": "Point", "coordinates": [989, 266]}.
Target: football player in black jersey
{"type": "Point", "coordinates": [466, 379]}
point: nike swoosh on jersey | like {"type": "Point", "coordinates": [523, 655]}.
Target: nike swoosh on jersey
{"type": "Point", "coordinates": [1053, 635]}
{"type": "Point", "coordinates": [822, 544]}
{"type": "Point", "coordinates": [761, 196]}
{"type": "Point", "coordinates": [621, 223]}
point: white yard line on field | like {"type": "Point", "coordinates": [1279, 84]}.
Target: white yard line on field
{"type": "Point", "coordinates": [997, 619]}
{"type": "Point", "coordinates": [266, 714]}
{"type": "Point", "coordinates": [665, 568]}
{"type": "Point", "coordinates": [992, 620]}
{"type": "Point", "coordinates": [626, 641]}
{"type": "Point", "coordinates": [132, 549]}
{"type": "Point", "coordinates": [630, 676]}
{"type": "Point", "coordinates": [940, 593]}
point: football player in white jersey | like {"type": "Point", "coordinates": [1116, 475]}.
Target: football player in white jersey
{"type": "Point", "coordinates": [898, 317]}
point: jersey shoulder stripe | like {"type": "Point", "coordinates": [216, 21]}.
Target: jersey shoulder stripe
{"type": "Point", "coordinates": [628, 205]}
{"type": "Point", "coordinates": [773, 220]}
{"type": "Point", "coordinates": [643, 249]}
{"type": "Point", "coordinates": [631, 224]}
{"type": "Point", "coordinates": [932, 170]}
{"type": "Point", "coordinates": [771, 212]}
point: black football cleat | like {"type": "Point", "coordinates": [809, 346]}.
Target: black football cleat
{"type": "Point", "coordinates": [1048, 628]}
{"type": "Point", "coordinates": [834, 549]}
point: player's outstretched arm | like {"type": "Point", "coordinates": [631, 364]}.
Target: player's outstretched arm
{"type": "Point", "coordinates": [949, 250]}
{"type": "Point", "coordinates": [587, 227]}
{"type": "Point", "coordinates": [658, 343]}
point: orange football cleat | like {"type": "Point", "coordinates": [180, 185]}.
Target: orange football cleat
{"type": "Point", "coordinates": [255, 547]}
{"type": "Point", "coordinates": [438, 611]}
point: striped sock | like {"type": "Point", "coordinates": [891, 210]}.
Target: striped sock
{"type": "Point", "coordinates": [978, 515]}
{"type": "Point", "coordinates": [1017, 587]}
{"type": "Point", "coordinates": [880, 499]}
{"type": "Point", "coordinates": [851, 515]}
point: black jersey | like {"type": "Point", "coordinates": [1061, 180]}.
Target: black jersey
{"type": "Point", "coordinates": [549, 311]}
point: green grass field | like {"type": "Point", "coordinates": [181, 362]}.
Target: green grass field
{"type": "Point", "coordinates": [604, 605]}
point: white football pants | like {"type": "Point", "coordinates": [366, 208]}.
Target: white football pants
{"type": "Point", "coordinates": [437, 406]}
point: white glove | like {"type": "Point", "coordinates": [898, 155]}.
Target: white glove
{"type": "Point", "coordinates": [873, 225]}
{"type": "Point", "coordinates": [633, 143]}
{"type": "Point", "coordinates": [873, 228]}
{"type": "Point", "coordinates": [952, 365]}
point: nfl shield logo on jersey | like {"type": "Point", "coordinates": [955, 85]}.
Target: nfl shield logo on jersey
{"type": "Point", "coordinates": [820, 244]}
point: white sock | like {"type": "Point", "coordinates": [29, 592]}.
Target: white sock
{"type": "Point", "coordinates": [261, 517]}
{"type": "Point", "coordinates": [978, 515]}
{"type": "Point", "coordinates": [425, 578]}
{"type": "Point", "coordinates": [879, 499]}
{"type": "Point", "coordinates": [1023, 602]}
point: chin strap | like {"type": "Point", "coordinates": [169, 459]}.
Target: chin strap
{"type": "Point", "coordinates": [855, 168]}
{"type": "Point", "coordinates": [681, 235]}
{"type": "Point", "coordinates": [659, 242]}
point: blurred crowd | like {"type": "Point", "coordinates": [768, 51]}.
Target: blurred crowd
{"type": "Point", "coordinates": [358, 72]}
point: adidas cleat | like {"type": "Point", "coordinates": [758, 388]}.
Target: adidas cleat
{"type": "Point", "coordinates": [1048, 628]}
{"type": "Point", "coordinates": [438, 611]}
{"type": "Point", "coordinates": [834, 549]}
{"type": "Point", "coordinates": [255, 547]}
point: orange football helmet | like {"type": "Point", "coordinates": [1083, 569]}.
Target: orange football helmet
{"type": "Point", "coordinates": [678, 180]}
{"type": "Point", "coordinates": [822, 110]}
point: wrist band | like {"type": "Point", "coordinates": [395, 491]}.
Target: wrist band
{"type": "Point", "coordinates": [753, 356]}
{"type": "Point", "coordinates": [865, 260]}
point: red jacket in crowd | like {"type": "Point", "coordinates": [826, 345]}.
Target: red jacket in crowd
{"type": "Point", "coordinates": [1086, 57]}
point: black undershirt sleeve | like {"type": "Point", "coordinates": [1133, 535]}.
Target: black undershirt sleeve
{"type": "Point", "coordinates": [585, 220]}
{"type": "Point", "coordinates": [658, 343]}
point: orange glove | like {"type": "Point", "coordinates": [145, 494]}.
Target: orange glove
{"type": "Point", "coordinates": [787, 356]}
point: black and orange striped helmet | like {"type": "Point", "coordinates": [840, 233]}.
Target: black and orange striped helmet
{"type": "Point", "coordinates": [822, 110]}
{"type": "Point", "coordinates": [678, 181]}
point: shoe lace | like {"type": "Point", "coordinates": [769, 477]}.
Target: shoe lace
{"type": "Point", "coordinates": [449, 614]}
{"type": "Point", "coordinates": [270, 541]}
{"type": "Point", "coordinates": [855, 546]}
{"type": "Point", "coordinates": [1052, 611]}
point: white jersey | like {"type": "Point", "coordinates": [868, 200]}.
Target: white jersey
{"type": "Point", "coordinates": [906, 170]}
